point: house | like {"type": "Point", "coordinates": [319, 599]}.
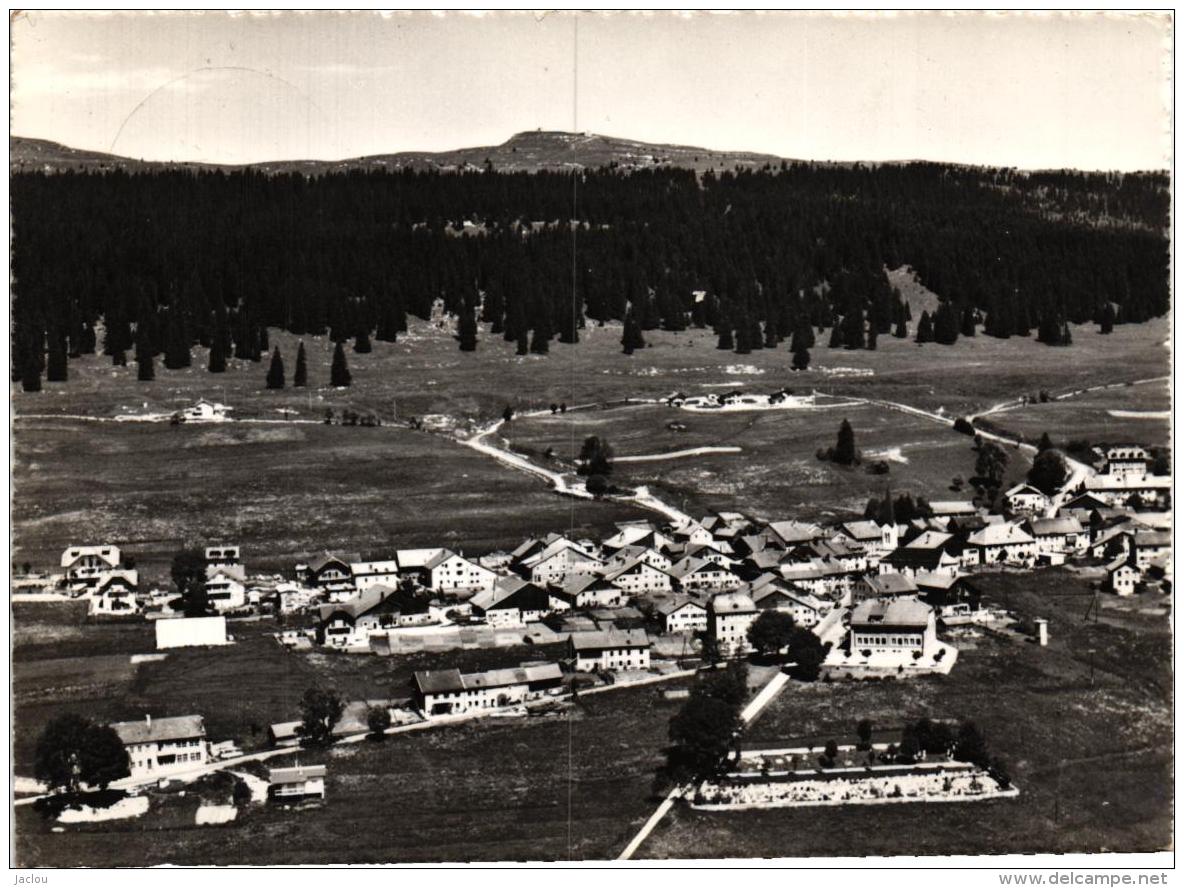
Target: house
{"type": "Point", "coordinates": [610, 650]}
{"type": "Point", "coordinates": [581, 591]}
{"type": "Point", "coordinates": [1121, 577]}
{"type": "Point", "coordinates": [448, 692]}
{"type": "Point", "coordinates": [838, 551]}
{"type": "Point", "coordinates": [190, 632]}
{"type": "Point", "coordinates": [1124, 460]}
{"type": "Point", "coordinates": [682, 614]}
{"type": "Point", "coordinates": [448, 572]}
{"type": "Point", "coordinates": [557, 561]}
{"type": "Point", "coordinates": [367, 574]}
{"type": "Point", "coordinates": [1112, 541]}
{"type": "Point", "coordinates": [226, 560]}
{"type": "Point", "coordinates": [639, 577]}
{"type": "Point", "coordinates": [817, 578]}
{"type": "Point", "coordinates": [225, 593]}
{"type": "Point", "coordinates": [1138, 491]}
{"type": "Point", "coordinates": [691, 533]}
{"type": "Point", "coordinates": [930, 552]}
{"type": "Point", "coordinates": [350, 623]}
{"type": "Point", "coordinates": [1003, 543]}
{"type": "Point", "coordinates": [1024, 499]}
{"type": "Point", "coordinates": [904, 625]}
{"type": "Point", "coordinates": [163, 746]}
{"type": "Point", "coordinates": [328, 572]}
{"type": "Point", "coordinates": [728, 617]}
{"type": "Point", "coordinates": [787, 534]}
{"type": "Point", "coordinates": [513, 601]}
{"type": "Point", "coordinates": [637, 533]}
{"type": "Point", "coordinates": [116, 594]}
{"type": "Point", "coordinates": [1062, 535]}
{"type": "Point", "coordinates": [628, 554]}
{"type": "Point", "coordinates": [940, 590]}
{"type": "Point", "coordinates": [953, 508]}
{"type": "Point", "coordinates": [85, 565]}
{"type": "Point", "coordinates": [874, 539]}
{"type": "Point", "coordinates": [883, 585]}
{"type": "Point", "coordinates": [1151, 545]}
{"type": "Point", "coordinates": [806, 609]}
{"type": "Point", "coordinates": [297, 784]}
{"type": "Point", "coordinates": [699, 574]}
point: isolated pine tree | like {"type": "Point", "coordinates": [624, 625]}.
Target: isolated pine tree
{"type": "Point", "coordinates": [801, 359]}
{"type": "Point", "coordinates": [275, 373]}
{"type": "Point", "coordinates": [924, 328]}
{"type": "Point", "coordinates": [339, 376]}
{"type": "Point", "coordinates": [1106, 323]}
{"type": "Point", "coordinates": [632, 337]}
{"type": "Point", "coordinates": [845, 453]}
{"type": "Point", "coordinates": [300, 379]}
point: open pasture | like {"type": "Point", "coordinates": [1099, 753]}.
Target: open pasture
{"type": "Point", "coordinates": [282, 492]}
{"type": "Point", "coordinates": [424, 373]}
{"type": "Point", "coordinates": [1085, 726]}
{"type": "Point", "coordinates": [550, 788]}
{"type": "Point", "coordinates": [1138, 413]}
{"type": "Point", "coordinates": [777, 473]}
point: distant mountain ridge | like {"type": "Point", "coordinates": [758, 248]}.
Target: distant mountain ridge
{"type": "Point", "coordinates": [523, 152]}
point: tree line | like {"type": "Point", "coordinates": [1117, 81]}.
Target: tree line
{"type": "Point", "coordinates": [155, 263]}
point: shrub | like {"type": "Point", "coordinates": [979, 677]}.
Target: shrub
{"type": "Point", "coordinates": [962, 424]}
{"type": "Point", "coordinates": [597, 485]}
{"type": "Point", "coordinates": [879, 467]}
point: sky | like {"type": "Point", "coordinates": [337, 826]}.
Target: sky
{"type": "Point", "coordinates": [1084, 90]}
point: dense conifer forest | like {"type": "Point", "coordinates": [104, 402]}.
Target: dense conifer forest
{"type": "Point", "coordinates": [162, 261]}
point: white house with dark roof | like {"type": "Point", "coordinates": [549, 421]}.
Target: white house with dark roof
{"type": "Point", "coordinates": [559, 560]}
{"type": "Point", "coordinates": [1150, 545]}
{"type": "Point", "coordinates": [1152, 491]}
{"type": "Point", "coordinates": [896, 625]}
{"type": "Point", "coordinates": [805, 608]}
{"type": "Point", "coordinates": [728, 617]}
{"type": "Point", "coordinates": [329, 572]}
{"type": "Point", "coordinates": [682, 614]}
{"type": "Point", "coordinates": [639, 577]}
{"type": "Point", "coordinates": [448, 572]}
{"type": "Point", "coordinates": [225, 592]}
{"type": "Point", "coordinates": [513, 601]}
{"type": "Point", "coordinates": [449, 692]}
{"type": "Point", "coordinates": [883, 586]}
{"type": "Point", "coordinates": [1062, 535]}
{"type": "Point", "coordinates": [158, 747]}
{"type": "Point", "coordinates": [116, 594]}
{"type": "Point", "coordinates": [610, 650]}
{"type": "Point", "coordinates": [1122, 576]}
{"type": "Point", "coordinates": [581, 591]}
{"type": "Point", "coordinates": [1124, 460]}
{"type": "Point", "coordinates": [700, 575]}
{"type": "Point", "coordinates": [84, 566]}
{"type": "Point", "coordinates": [351, 623]}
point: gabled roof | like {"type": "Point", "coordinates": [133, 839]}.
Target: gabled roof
{"type": "Point", "coordinates": [766, 558]}
{"type": "Point", "coordinates": [666, 608]}
{"type": "Point", "coordinates": [374, 568]}
{"type": "Point", "coordinates": [861, 530]}
{"type": "Point", "coordinates": [298, 774]}
{"type": "Point", "coordinates": [1026, 488]}
{"type": "Point", "coordinates": [316, 565]}
{"type": "Point", "coordinates": [110, 554]}
{"type": "Point", "coordinates": [794, 531]}
{"type": "Point", "coordinates": [1053, 526]}
{"type": "Point", "coordinates": [732, 603]}
{"type": "Point", "coordinates": [930, 539]}
{"type": "Point", "coordinates": [691, 565]}
{"type": "Point", "coordinates": [414, 559]}
{"type": "Point", "coordinates": [936, 580]}
{"type": "Point", "coordinates": [946, 508]}
{"type": "Point", "coordinates": [774, 591]}
{"type": "Point", "coordinates": [1152, 538]}
{"type": "Point", "coordinates": [629, 566]}
{"type": "Point", "coordinates": [926, 558]}
{"type": "Point", "coordinates": [896, 612]}
{"type": "Point", "coordinates": [609, 639]}
{"type": "Point", "coordinates": [511, 592]}
{"type": "Point", "coordinates": [439, 681]}
{"type": "Point", "coordinates": [891, 584]}
{"type": "Point", "coordinates": [181, 727]}
{"type": "Point", "coordinates": [372, 599]}
{"type": "Point", "coordinates": [1004, 534]}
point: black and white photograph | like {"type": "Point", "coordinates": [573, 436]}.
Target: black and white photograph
{"type": "Point", "coordinates": [591, 439]}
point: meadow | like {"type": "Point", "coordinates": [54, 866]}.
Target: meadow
{"type": "Point", "coordinates": [1085, 726]}
{"type": "Point", "coordinates": [777, 473]}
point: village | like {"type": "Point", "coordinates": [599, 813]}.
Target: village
{"type": "Point", "coordinates": [655, 601]}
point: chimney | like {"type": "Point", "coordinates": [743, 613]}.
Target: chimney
{"type": "Point", "coordinates": [148, 719]}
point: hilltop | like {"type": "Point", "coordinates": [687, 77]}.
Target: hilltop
{"type": "Point", "coordinates": [523, 152]}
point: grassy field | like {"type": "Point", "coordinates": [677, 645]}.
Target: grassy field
{"type": "Point", "coordinates": [777, 473]}
{"type": "Point", "coordinates": [63, 664]}
{"type": "Point", "coordinates": [424, 373]}
{"type": "Point", "coordinates": [281, 492]}
{"type": "Point", "coordinates": [553, 788]}
{"type": "Point", "coordinates": [1142, 416]}
{"type": "Point", "coordinates": [1084, 724]}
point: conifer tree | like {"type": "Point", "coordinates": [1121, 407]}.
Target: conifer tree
{"type": "Point", "coordinates": [1045, 443]}
{"type": "Point", "coordinates": [55, 367]}
{"type": "Point", "coordinates": [924, 328]}
{"type": "Point", "coordinates": [801, 359]}
{"type": "Point", "coordinates": [275, 373]}
{"type": "Point", "coordinates": [145, 369]}
{"type": "Point", "coordinates": [632, 338]}
{"type": "Point", "coordinates": [300, 378]}
{"type": "Point", "coordinates": [968, 321]}
{"type": "Point", "coordinates": [339, 375]}
{"type": "Point", "coordinates": [1106, 324]}
{"type": "Point", "coordinates": [217, 363]}
{"type": "Point", "coordinates": [466, 328]}
{"type": "Point", "coordinates": [362, 342]}
{"type": "Point", "coordinates": [726, 342]}
{"type": "Point", "coordinates": [845, 453]}
{"type": "Point", "coordinates": [871, 337]}
{"type": "Point", "coordinates": [901, 330]}
{"type": "Point", "coordinates": [945, 324]}
{"type": "Point", "coordinates": [836, 335]}
{"type": "Point", "coordinates": [523, 344]}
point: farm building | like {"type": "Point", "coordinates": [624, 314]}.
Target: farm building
{"type": "Point", "coordinates": [513, 602]}
{"type": "Point", "coordinates": [163, 746]}
{"type": "Point", "coordinates": [1024, 499]}
{"type": "Point", "coordinates": [699, 574]}
{"type": "Point", "coordinates": [876, 587]}
{"type": "Point", "coordinates": [581, 591]}
{"type": "Point", "coordinates": [448, 692]}
{"type": "Point", "coordinates": [351, 622]}
{"type": "Point", "coordinates": [610, 650]}
{"type": "Point", "coordinates": [639, 577]}
{"type": "Point", "coordinates": [1121, 577]}
{"type": "Point", "coordinates": [1003, 543]}
{"type": "Point", "coordinates": [367, 574]}
{"type": "Point", "coordinates": [447, 572]}
{"type": "Point", "coordinates": [682, 615]}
